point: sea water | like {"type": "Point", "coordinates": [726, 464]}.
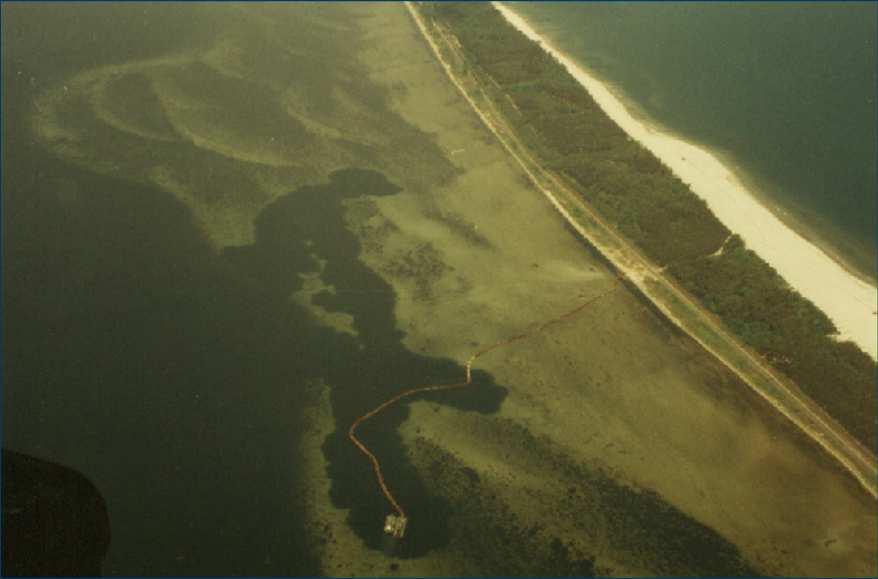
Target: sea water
{"type": "Point", "coordinates": [785, 92]}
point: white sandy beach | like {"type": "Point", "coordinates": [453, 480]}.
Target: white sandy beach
{"type": "Point", "coordinates": [848, 301]}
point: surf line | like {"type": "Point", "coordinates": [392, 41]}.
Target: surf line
{"type": "Point", "coordinates": [395, 524]}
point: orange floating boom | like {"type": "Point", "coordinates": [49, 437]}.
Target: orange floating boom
{"type": "Point", "coordinates": [395, 525]}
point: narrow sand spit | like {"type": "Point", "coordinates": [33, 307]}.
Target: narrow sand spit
{"type": "Point", "coordinates": [856, 459]}
{"type": "Point", "coordinates": [847, 300]}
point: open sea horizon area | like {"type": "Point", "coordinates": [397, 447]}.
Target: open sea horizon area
{"type": "Point", "coordinates": [819, 273]}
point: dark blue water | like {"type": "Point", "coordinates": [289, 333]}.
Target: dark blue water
{"type": "Point", "coordinates": [785, 90]}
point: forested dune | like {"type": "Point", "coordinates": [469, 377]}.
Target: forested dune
{"type": "Point", "coordinates": [563, 125]}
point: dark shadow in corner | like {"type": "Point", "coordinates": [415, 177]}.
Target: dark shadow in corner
{"type": "Point", "coordinates": [55, 521]}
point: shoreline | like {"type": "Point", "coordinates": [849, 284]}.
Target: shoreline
{"type": "Point", "coordinates": [849, 301]}
{"type": "Point", "coordinates": [677, 305]}
{"type": "Point", "coordinates": [824, 236]}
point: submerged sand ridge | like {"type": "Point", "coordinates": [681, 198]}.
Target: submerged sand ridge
{"type": "Point", "coordinates": [850, 302]}
{"type": "Point", "coordinates": [226, 131]}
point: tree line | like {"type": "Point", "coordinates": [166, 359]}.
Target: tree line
{"type": "Point", "coordinates": [560, 122]}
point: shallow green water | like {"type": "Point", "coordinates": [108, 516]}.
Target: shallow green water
{"type": "Point", "coordinates": [173, 370]}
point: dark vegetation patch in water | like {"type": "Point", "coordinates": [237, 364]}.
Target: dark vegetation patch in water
{"type": "Point", "coordinates": [173, 376]}
{"type": "Point", "coordinates": [365, 371]}
{"type": "Point", "coordinates": [633, 526]}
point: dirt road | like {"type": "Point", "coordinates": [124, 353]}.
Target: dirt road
{"type": "Point", "coordinates": [670, 299]}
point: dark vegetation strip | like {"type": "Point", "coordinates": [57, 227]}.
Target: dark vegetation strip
{"type": "Point", "coordinates": [565, 128]}
{"type": "Point", "coordinates": [634, 526]}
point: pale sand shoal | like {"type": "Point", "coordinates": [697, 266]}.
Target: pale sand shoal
{"type": "Point", "coordinates": [848, 301]}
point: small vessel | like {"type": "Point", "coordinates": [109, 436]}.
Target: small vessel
{"type": "Point", "coordinates": [394, 525]}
